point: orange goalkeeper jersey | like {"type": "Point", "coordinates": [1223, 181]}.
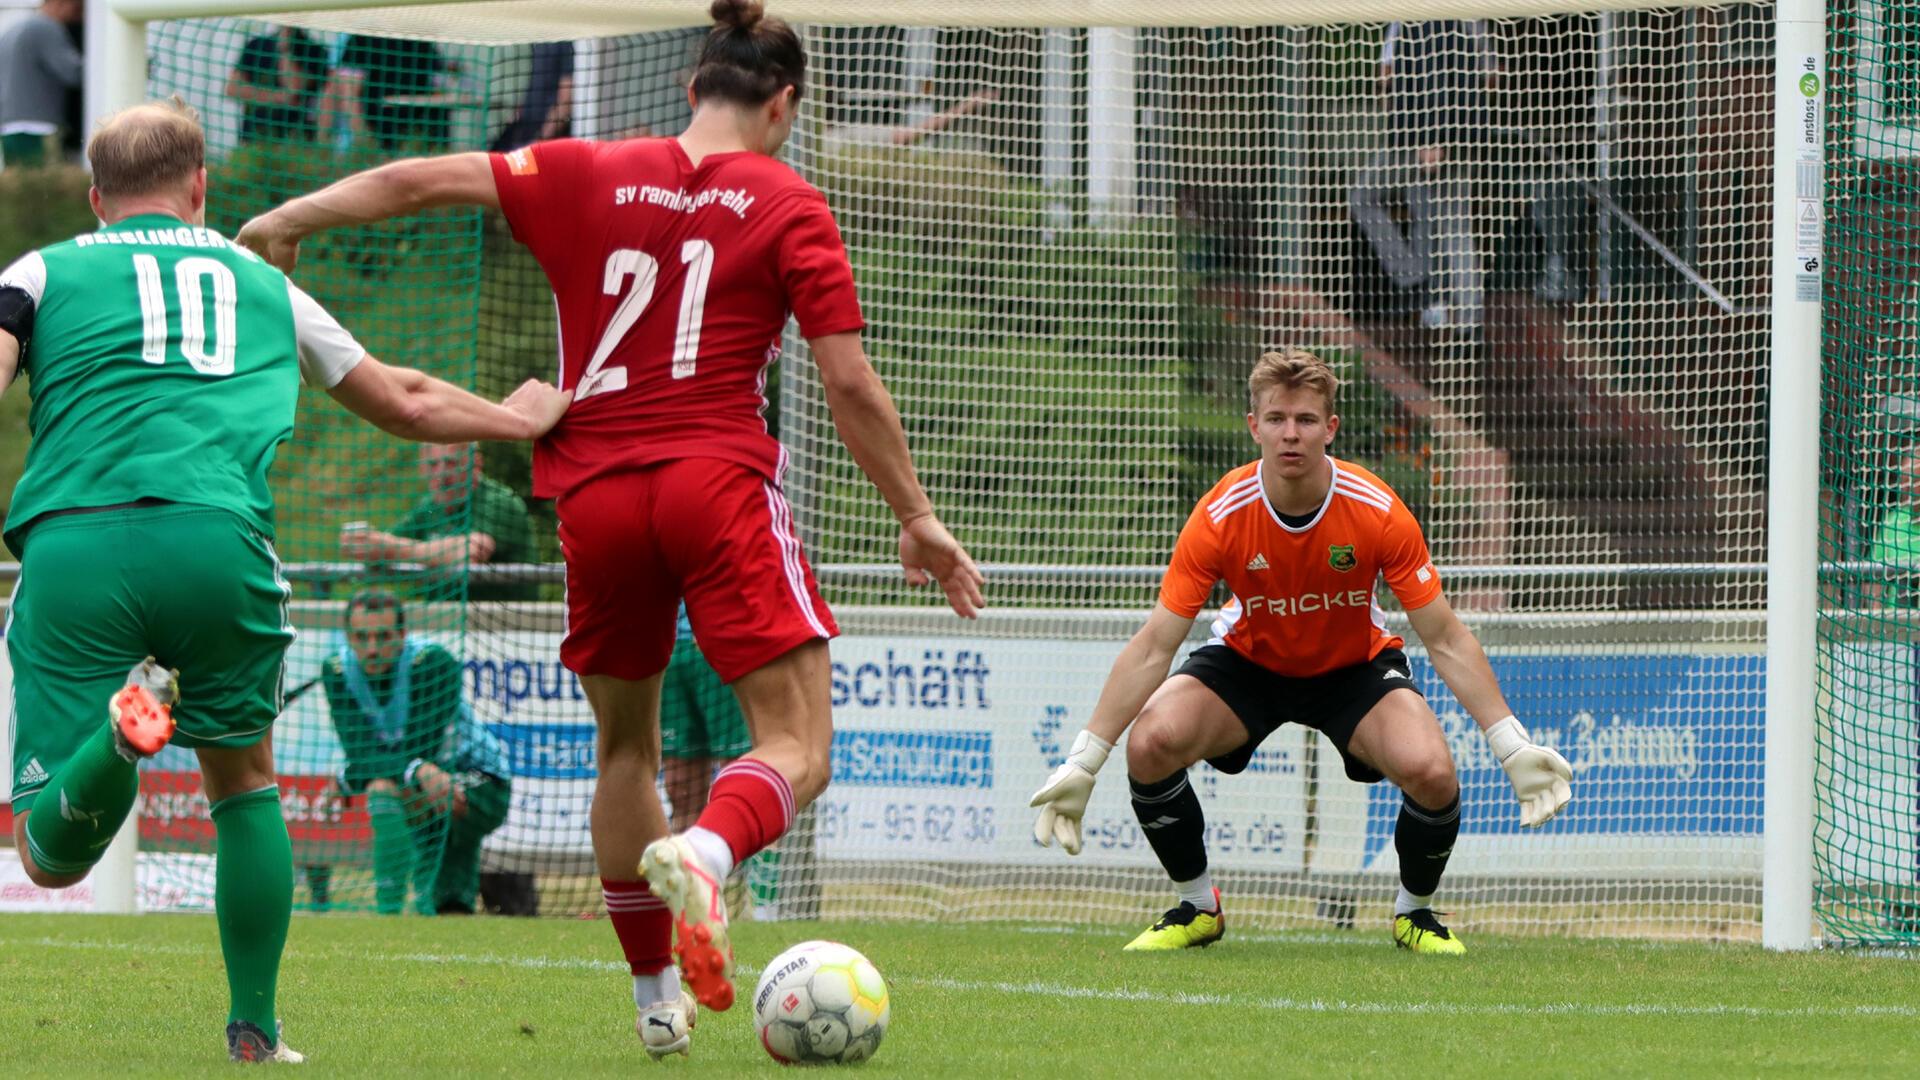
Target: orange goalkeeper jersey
{"type": "Point", "coordinates": [1303, 600]}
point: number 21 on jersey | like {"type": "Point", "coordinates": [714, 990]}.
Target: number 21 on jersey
{"type": "Point", "coordinates": [644, 269]}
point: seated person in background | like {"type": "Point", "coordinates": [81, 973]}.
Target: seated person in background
{"type": "Point", "coordinates": [277, 83]}
{"type": "Point", "coordinates": [438, 531]}
{"type": "Point", "coordinates": [435, 781]}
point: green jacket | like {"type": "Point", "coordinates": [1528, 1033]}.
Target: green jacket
{"type": "Point", "coordinates": [498, 513]}
{"type": "Point", "coordinates": [388, 740]}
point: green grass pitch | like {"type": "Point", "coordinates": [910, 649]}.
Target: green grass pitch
{"type": "Point", "coordinates": [96, 996]}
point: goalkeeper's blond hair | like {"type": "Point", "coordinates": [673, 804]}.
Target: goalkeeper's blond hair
{"type": "Point", "coordinates": [1293, 368]}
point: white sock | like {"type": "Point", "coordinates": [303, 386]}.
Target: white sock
{"type": "Point", "coordinates": [1198, 892]}
{"type": "Point", "coordinates": [1407, 903]}
{"type": "Point", "coordinates": [713, 850]}
{"type": "Point", "coordinates": [654, 989]}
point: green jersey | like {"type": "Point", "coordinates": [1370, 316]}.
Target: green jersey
{"type": "Point", "coordinates": [166, 364]}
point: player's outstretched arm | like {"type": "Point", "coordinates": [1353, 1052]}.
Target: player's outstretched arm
{"type": "Point", "coordinates": [1541, 778]}
{"type": "Point", "coordinates": [395, 189]}
{"type": "Point", "coordinates": [1137, 672]}
{"type": "Point", "coordinates": [414, 405]}
{"type": "Point", "coordinates": [869, 425]}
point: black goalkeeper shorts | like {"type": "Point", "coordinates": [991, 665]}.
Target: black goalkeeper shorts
{"type": "Point", "coordinates": [1332, 704]}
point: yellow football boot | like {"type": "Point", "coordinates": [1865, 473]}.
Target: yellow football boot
{"type": "Point", "coordinates": [1422, 932]}
{"type": "Point", "coordinates": [1184, 927]}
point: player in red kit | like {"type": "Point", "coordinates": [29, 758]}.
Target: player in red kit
{"type": "Point", "coordinates": [675, 264]}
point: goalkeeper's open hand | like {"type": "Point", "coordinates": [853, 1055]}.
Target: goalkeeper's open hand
{"type": "Point", "coordinates": [1063, 798]}
{"type": "Point", "coordinates": [1541, 778]}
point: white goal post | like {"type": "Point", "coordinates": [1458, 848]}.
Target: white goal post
{"type": "Point", "coordinates": [1103, 99]}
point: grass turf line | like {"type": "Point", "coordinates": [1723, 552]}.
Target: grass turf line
{"type": "Point", "coordinates": [91, 995]}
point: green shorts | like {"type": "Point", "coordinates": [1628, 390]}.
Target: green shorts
{"type": "Point", "coordinates": [699, 716]}
{"type": "Point", "coordinates": [195, 587]}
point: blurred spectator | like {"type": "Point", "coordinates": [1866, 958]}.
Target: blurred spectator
{"type": "Point", "coordinates": [1897, 541]}
{"type": "Point", "coordinates": [439, 532]}
{"type": "Point", "coordinates": [546, 110]}
{"type": "Point", "coordinates": [39, 64]}
{"type": "Point", "coordinates": [435, 780]}
{"type": "Point", "coordinates": [389, 90]}
{"type": "Point", "coordinates": [1435, 77]}
{"type": "Point", "coordinates": [278, 82]}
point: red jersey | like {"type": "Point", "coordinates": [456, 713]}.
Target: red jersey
{"type": "Point", "coordinates": [673, 283]}
{"type": "Point", "coordinates": [1302, 598]}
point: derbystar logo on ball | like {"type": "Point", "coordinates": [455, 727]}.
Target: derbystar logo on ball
{"type": "Point", "coordinates": [821, 1001]}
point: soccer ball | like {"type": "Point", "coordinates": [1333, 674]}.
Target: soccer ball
{"type": "Point", "coordinates": [820, 1002]}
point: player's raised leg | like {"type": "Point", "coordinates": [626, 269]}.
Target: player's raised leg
{"type": "Point", "coordinates": [627, 816]}
{"type": "Point", "coordinates": [89, 797]}
{"type": "Point", "coordinates": [82, 719]}
{"type": "Point", "coordinates": [1183, 723]}
{"type": "Point", "coordinates": [752, 803]}
{"type": "Point", "coordinates": [1400, 737]}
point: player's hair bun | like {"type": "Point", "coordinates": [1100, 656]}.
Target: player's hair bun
{"type": "Point", "coordinates": [738, 14]}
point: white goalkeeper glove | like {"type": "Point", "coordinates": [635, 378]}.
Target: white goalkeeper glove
{"type": "Point", "coordinates": [1540, 776]}
{"type": "Point", "coordinates": [1063, 798]}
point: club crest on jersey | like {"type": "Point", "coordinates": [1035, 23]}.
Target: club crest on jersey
{"type": "Point", "coordinates": [1340, 557]}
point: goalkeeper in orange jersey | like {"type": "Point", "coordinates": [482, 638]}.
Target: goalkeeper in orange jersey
{"type": "Point", "coordinates": [1299, 537]}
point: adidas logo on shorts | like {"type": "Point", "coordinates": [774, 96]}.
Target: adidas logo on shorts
{"type": "Point", "coordinates": [31, 773]}
{"type": "Point", "coordinates": [1258, 562]}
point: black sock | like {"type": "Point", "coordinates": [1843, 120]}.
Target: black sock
{"type": "Point", "coordinates": [1169, 814]}
{"type": "Point", "coordinates": [1424, 839]}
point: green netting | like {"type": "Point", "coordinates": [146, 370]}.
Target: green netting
{"type": "Point", "coordinates": [1867, 828]}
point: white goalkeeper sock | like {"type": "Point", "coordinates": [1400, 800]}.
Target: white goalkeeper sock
{"type": "Point", "coordinates": [1407, 903]}
{"type": "Point", "coordinates": [1198, 892]}
{"type": "Point", "coordinates": [713, 851]}
{"type": "Point", "coordinates": [654, 989]}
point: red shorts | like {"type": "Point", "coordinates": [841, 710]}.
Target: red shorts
{"type": "Point", "coordinates": [716, 533]}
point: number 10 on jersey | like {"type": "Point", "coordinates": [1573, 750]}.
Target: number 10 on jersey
{"type": "Point", "coordinates": [644, 270]}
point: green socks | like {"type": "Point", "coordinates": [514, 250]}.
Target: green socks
{"type": "Point", "coordinates": [252, 898]}
{"type": "Point", "coordinates": [76, 815]}
{"type": "Point", "coordinates": [393, 852]}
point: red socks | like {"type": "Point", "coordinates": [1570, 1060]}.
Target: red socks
{"type": "Point", "coordinates": [750, 806]}
{"type": "Point", "coordinates": [641, 921]}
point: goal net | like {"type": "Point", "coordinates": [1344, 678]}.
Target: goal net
{"type": "Point", "coordinates": [1867, 763]}
{"type": "Point", "coordinates": [1534, 246]}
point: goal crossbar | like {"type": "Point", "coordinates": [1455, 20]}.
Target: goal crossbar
{"type": "Point", "coordinates": [501, 21]}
